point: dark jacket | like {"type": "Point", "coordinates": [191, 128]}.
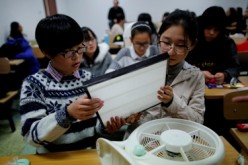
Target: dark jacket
{"type": "Point", "coordinates": [219, 55]}
{"type": "Point", "coordinates": [25, 52]}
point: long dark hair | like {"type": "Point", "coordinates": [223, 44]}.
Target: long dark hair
{"type": "Point", "coordinates": [146, 17]}
{"type": "Point", "coordinates": [87, 37]}
{"type": "Point", "coordinates": [183, 18]}
{"type": "Point", "coordinates": [213, 16]}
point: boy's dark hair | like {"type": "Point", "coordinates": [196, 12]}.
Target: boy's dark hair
{"type": "Point", "coordinates": [87, 37]}
{"type": "Point", "coordinates": [184, 19]}
{"type": "Point", "coordinates": [54, 34]}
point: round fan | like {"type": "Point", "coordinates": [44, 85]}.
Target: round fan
{"type": "Point", "coordinates": [165, 141]}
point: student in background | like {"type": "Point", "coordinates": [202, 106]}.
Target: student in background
{"type": "Point", "coordinates": [183, 94]}
{"type": "Point", "coordinates": [215, 53]}
{"type": "Point", "coordinates": [56, 115]}
{"type": "Point", "coordinates": [241, 24]}
{"type": "Point", "coordinates": [139, 50]}
{"type": "Point", "coordinates": [113, 12]}
{"type": "Point", "coordinates": [231, 20]}
{"type": "Point", "coordinates": [97, 57]}
{"type": "Point", "coordinates": [18, 43]}
{"type": "Point", "coordinates": [146, 17]}
{"type": "Point", "coordinates": [118, 27]}
{"type": "Point", "coordinates": [158, 25]}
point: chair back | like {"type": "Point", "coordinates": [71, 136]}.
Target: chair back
{"type": "Point", "coordinates": [243, 59]}
{"type": "Point", "coordinates": [235, 111]}
{"type": "Point", "coordinates": [4, 65]}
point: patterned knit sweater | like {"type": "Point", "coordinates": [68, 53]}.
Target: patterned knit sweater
{"type": "Point", "coordinates": [45, 123]}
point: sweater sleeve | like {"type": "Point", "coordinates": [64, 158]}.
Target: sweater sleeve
{"type": "Point", "coordinates": [38, 126]}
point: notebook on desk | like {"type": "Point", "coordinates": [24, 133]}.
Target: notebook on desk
{"type": "Point", "coordinates": [129, 90]}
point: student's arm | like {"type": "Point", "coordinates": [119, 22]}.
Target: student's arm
{"type": "Point", "coordinates": [41, 127]}
{"type": "Point", "coordinates": [38, 127]}
{"type": "Point", "coordinates": [194, 108]}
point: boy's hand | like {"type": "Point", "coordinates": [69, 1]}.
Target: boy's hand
{"type": "Point", "coordinates": [84, 108]}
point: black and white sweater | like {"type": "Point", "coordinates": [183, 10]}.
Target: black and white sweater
{"type": "Point", "coordinates": [45, 123]}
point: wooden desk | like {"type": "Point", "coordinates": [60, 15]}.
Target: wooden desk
{"type": "Point", "coordinates": [244, 80]}
{"type": "Point", "coordinates": [91, 157]}
{"type": "Point", "coordinates": [216, 93]}
{"type": "Point", "coordinates": [16, 62]}
{"type": "Point", "coordinates": [9, 96]}
{"type": "Point", "coordinates": [242, 139]}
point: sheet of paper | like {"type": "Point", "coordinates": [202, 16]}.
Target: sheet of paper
{"type": "Point", "coordinates": [131, 92]}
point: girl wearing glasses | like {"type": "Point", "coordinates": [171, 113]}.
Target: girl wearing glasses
{"type": "Point", "coordinates": [97, 58]}
{"type": "Point", "coordinates": [138, 51]}
{"type": "Point", "coordinates": [183, 94]}
{"type": "Point", "coordinates": [56, 115]}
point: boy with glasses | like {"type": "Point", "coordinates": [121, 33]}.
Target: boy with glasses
{"type": "Point", "coordinates": [138, 51]}
{"type": "Point", "coordinates": [56, 115]}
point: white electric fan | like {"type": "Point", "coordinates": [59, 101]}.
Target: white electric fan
{"type": "Point", "coordinates": [164, 141]}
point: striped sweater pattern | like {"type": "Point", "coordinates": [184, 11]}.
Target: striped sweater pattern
{"type": "Point", "coordinates": [44, 120]}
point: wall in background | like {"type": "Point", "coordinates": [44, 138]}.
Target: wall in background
{"type": "Point", "coordinates": [26, 12]}
{"type": "Point", "coordinates": [93, 13]}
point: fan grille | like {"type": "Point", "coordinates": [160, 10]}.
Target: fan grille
{"type": "Point", "coordinates": [201, 148]}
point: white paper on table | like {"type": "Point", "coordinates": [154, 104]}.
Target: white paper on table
{"type": "Point", "coordinates": [131, 89]}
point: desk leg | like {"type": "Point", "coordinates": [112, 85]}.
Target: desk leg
{"type": "Point", "coordinates": [11, 123]}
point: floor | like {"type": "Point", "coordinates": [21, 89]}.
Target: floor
{"type": "Point", "coordinates": [12, 143]}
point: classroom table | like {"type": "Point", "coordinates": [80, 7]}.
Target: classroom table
{"type": "Point", "coordinates": [242, 139]}
{"type": "Point", "coordinates": [90, 157]}
{"type": "Point", "coordinates": [218, 93]}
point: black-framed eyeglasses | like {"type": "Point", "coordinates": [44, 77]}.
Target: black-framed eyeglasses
{"type": "Point", "coordinates": [72, 53]}
{"type": "Point", "coordinates": [179, 49]}
{"type": "Point", "coordinates": [139, 45]}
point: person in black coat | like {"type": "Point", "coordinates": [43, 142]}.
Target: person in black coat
{"type": "Point", "coordinates": [215, 53]}
{"type": "Point", "coordinates": [113, 12]}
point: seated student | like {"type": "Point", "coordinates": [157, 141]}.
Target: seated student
{"type": "Point", "coordinates": [97, 57]}
{"type": "Point", "coordinates": [25, 51]}
{"type": "Point", "coordinates": [183, 94]}
{"type": "Point", "coordinates": [146, 17]}
{"type": "Point", "coordinates": [139, 50]}
{"type": "Point", "coordinates": [118, 27]}
{"type": "Point", "coordinates": [215, 53]}
{"type": "Point", "coordinates": [55, 113]}
{"type": "Point", "coordinates": [142, 17]}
